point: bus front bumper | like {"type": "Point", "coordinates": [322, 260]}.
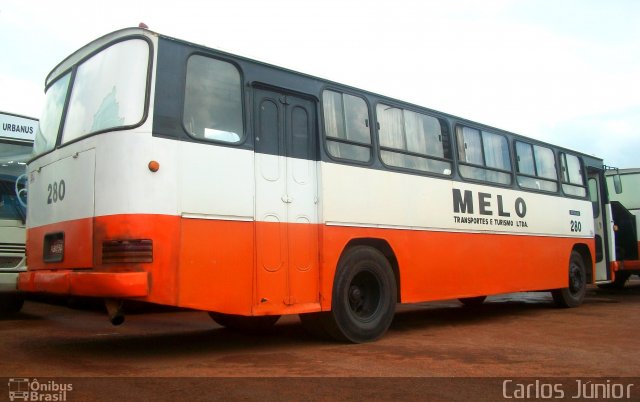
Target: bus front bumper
{"type": "Point", "coordinates": [8, 281]}
{"type": "Point", "coordinates": [92, 284]}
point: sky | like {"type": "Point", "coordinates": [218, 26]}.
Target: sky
{"type": "Point", "coordinates": [562, 71]}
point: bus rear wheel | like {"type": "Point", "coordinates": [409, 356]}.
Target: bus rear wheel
{"type": "Point", "coordinates": [573, 295]}
{"type": "Point", "coordinates": [244, 323]}
{"type": "Point", "coordinates": [364, 297]}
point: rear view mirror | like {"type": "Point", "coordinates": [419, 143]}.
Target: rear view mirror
{"type": "Point", "coordinates": [617, 184]}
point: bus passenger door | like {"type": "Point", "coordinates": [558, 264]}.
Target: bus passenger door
{"type": "Point", "coordinates": [602, 223]}
{"type": "Point", "coordinates": [286, 201]}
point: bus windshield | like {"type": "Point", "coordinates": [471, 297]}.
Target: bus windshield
{"type": "Point", "coordinates": [10, 208]}
{"type": "Point", "coordinates": [13, 158]}
{"type": "Point", "coordinates": [108, 91]}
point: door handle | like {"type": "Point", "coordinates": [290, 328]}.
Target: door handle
{"type": "Point", "coordinates": [286, 199]}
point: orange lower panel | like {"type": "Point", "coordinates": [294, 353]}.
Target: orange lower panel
{"type": "Point", "coordinates": [626, 265]}
{"type": "Point", "coordinates": [83, 253]}
{"type": "Point", "coordinates": [442, 265]}
{"type": "Point", "coordinates": [95, 284]}
{"type": "Point", "coordinates": [255, 268]}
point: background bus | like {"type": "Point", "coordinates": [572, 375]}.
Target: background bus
{"type": "Point", "coordinates": [623, 191]}
{"type": "Point", "coordinates": [181, 175]}
{"type": "Point", "coordinates": [16, 146]}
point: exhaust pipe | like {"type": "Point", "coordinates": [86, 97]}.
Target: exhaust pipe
{"type": "Point", "coordinates": [114, 311]}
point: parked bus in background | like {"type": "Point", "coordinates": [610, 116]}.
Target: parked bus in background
{"type": "Point", "coordinates": [16, 145]}
{"type": "Point", "coordinates": [623, 215]}
{"type": "Point", "coordinates": [177, 174]}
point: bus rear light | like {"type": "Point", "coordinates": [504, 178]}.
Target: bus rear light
{"type": "Point", "coordinates": [127, 251]}
{"type": "Point", "coordinates": [154, 166]}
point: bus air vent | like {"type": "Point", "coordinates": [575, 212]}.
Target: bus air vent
{"type": "Point", "coordinates": [127, 251]}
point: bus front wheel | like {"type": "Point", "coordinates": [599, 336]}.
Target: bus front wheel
{"type": "Point", "coordinates": [364, 296]}
{"type": "Point", "coordinates": [573, 295]}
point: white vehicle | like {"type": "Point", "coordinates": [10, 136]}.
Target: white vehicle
{"type": "Point", "coordinates": [623, 217]}
{"type": "Point", "coordinates": [16, 145]}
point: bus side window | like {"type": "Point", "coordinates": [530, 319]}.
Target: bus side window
{"type": "Point", "coordinates": [412, 140]}
{"type": "Point", "coordinates": [483, 156]}
{"type": "Point", "coordinates": [536, 167]}
{"type": "Point", "coordinates": [346, 125]}
{"type": "Point", "coordinates": [213, 100]}
{"type": "Point", "coordinates": [572, 179]}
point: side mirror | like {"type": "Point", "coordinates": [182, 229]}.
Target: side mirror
{"type": "Point", "coordinates": [617, 184]}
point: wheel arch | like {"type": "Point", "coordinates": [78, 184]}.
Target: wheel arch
{"type": "Point", "coordinates": [385, 248]}
{"type": "Point", "coordinates": [587, 259]}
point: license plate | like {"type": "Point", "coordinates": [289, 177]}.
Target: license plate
{"type": "Point", "coordinates": [53, 247]}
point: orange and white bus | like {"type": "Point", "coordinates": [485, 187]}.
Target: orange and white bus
{"type": "Point", "coordinates": [172, 173]}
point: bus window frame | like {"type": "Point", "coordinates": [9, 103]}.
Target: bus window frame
{"type": "Point", "coordinates": [73, 70]}
{"type": "Point", "coordinates": [562, 156]}
{"type": "Point", "coordinates": [444, 123]}
{"type": "Point", "coordinates": [373, 145]}
{"type": "Point", "coordinates": [243, 96]}
{"type": "Point", "coordinates": [517, 172]}
{"type": "Point", "coordinates": [473, 165]}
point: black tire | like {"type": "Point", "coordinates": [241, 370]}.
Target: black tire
{"type": "Point", "coordinates": [573, 295]}
{"type": "Point", "coordinates": [10, 303]}
{"type": "Point", "coordinates": [364, 297]}
{"type": "Point", "coordinates": [473, 301]}
{"type": "Point", "coordinates": [244, 323]}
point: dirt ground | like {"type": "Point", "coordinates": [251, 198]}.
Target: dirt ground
{"type": "Point", "coordinates": [433, 351]}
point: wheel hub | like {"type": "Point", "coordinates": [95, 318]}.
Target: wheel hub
{"type": "Point", "coordinates": [576, 281]}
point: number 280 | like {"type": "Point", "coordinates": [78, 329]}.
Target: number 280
{"type": "Point", "coordinates": [576, 226]}
{"type": "Point", "coordinates": [57, 191]}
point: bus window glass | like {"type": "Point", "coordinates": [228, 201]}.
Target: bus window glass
{"type": "Point", "coordinates": [536, 167]}
{"type": "Point", "coordinates": [356, 118]}
{"type": "Point", "coordinates": [573, 181]}
{"type": "Point", "coordinates": [525, 158]}
{"type": "Point", "coordinates": [423, 133]}
{"type": "Point", "coordinates": [432, 129]}
{"type": "Point", "coordinates": [545, 162]}
{"type": "Point", "coordinates": [496, 151]}
{"type": "Point", "coordinates": [346, 119]}
{"type": "Point", "coordinates": [391, 130]}
{"type": "Point", "coordinates": [109, 90]}
{"type": "Point", "coordinates": [213, 100]}
{"type": "Point", "coordinates": [470, 145]}
{"type": "Point", "coordinates": [47, 132]}
{"type": "Point", "coordinates": [575, 170]}
{"type": "Point", "coordinates": [10, 208]}
{"type": "Point", "coordinates": [334, 115]}
{"type": "Point", "coordinates": [408, 139]}
{"type": "Point", "coordinates": [487, 151]}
